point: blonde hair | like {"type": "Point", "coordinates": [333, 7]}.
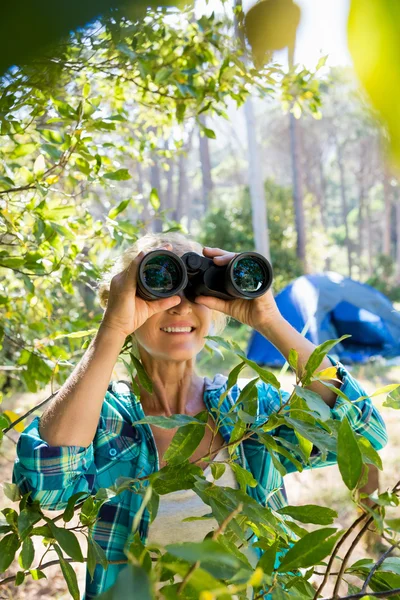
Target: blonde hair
{"type": "Point", "coordinates": [180, 244]}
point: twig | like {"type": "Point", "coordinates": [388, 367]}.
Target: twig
{"type": "Point", "coordinates": [348, 554]}
{"type": "Point", "coordinates": [187, 576]}
{"type": "Point", "coordinates": [342, 539]}
{"type": "Point", "coordinates": [29, 412]}
{"type": "Point", "coordinates": [57, 562]}
{"type": "Point", "coordinates": [377, 565]}
{"type": "Point", "coordinates": [360, 595]}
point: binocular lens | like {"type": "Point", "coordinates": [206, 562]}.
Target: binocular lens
{"type": "Point", "coordinates": [248, 275]}
{"type": "Point", "coordinates": [162, 274]}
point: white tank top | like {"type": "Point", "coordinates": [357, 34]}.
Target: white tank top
{"type": "Point", "coordinates": [167, 527]}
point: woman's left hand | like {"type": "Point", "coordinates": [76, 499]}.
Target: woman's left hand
{"type": "Point", "coordinates": [258, 313]}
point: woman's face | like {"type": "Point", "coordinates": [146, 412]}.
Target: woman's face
{"type": "Point", "coordinates": [176, 346]}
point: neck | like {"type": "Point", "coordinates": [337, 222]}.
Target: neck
{"type": "Point", "coordinates": [177, 388]}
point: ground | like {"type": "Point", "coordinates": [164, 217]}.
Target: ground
{"type": "Point", "coordinates": [318, 486]}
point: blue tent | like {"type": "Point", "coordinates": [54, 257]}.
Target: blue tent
{"type": "Point", "coordinates": [333, 305]}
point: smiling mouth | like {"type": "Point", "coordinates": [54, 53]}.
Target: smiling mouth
{"type": "Point", "coordinates": [184, 332]}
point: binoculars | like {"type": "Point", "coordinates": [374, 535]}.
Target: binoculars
{"type": "Point", "coordinates": [161, 274]}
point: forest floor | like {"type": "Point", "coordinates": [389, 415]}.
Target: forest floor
{"type": "Point", "coordinates": [317, 486]}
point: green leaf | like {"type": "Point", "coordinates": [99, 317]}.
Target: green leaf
{"type": "Point", "coordinates": [68, 541]}
{"type": "Point", "coordinates": [19, 577]}
{"type": "Point", "coordinates": [316, 435]}
{"type": "Point", "coordinates": [119, 175]}
{"type": "Point", "coordinates": [184, 443]}
{"type": "Point", "coordinates": [180, 111]}
{"type": "Point", "coordinates": [39, 166]}
{"type": "Point", "coordinates": [349, 455]}
{"type": "Point", "coordinates": [69, 510]}
{"type": "Point", "coordinates": [96, 555]}
{"type": "Point", "coordinates": [202, 551]}
{"type": "Point", "coordinates": [169, 422]}
{"type": "Point", "coordinates": [154, 199]}
{"type": "Point", "coordinates": [209, 133]}
{"type": "Point", "coordinates": [118, 209]}
{"type": "Point", "coordinates": [293, 359]}
{"type": "Point", "coordinates": [314, 402]}
{"type": "Point", "coordinates": [11, 490]}
{"type": "Point", "coordinates": [37, 574]}
{"type": "Point", "coordinates": [393, 399]}
{"type": "Point", "coordinates": [89, 511]}
{"type": "Point", "coordinates": [267, 560]}
{"type": "Point", "coordinates": [217, 470]}
{"type": "Point", "coordinates": [76, 334]}
{"type": "Point", "coordinates": [27, 553]}
{"type": "Point", "coordinates": [69, 575]}
{"type": "Point", "coordinates": [144, 379]}
{"type": "Point", "coordinates": [317, 356]}
{"type": "Point", "coordinates": [9, 544]}
{"type": "Point", "coordinates": [86, 90]}
{"type": "Point", "coordinates": [310, 513]}
{"type": "Point", "coordinates": [244, 477]}
{"type": "Point", "coordinates": [132, 582]}
{"type": "Point", "coordinates": [310, 549]}
{"type": "Point", "coordinates": [171, 478]}
{"type": "Point", "coordinates": [26, 519]}
{"type": "Point", "coordinates": [369, 454]}
{"type": "Point", "coordinates": [321, 63]}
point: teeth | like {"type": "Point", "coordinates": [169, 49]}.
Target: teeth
{"type": "Point", "coordinates": [177, 329]}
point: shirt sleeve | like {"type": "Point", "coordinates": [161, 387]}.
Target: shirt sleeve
{"type": "Point", "coordinates": [52, 473]}
{"type": "Point", "coordinates": [363, 417]}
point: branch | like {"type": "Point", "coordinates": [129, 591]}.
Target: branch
{"type": "Point", "coordinates": [377, 565]}
{"type": "Point", "coordinates": [57, 562]}
{"type": "Point", "coordinates": [348, 554]}
{"type": "Point", "coordinates": [360, 595]}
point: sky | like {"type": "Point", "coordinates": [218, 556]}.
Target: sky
{"type": "Point", "coordinates": [322, 27]}
{"type": "Point", "coordinates": [322, 30]}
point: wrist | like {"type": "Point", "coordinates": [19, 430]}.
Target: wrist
{"type": "Point", "coordinates": [110, 330]}
{"type": "Point", "coordinates": [271, 326]}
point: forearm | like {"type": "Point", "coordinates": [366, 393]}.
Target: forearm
{"type": "Point", "coordinates": [284, 337]}
{"type": "Point", "coordinates": [73, 416]}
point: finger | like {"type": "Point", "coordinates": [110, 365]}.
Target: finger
{"type": "Point", "coordinates": [212, 303]}
{"type": "Point", "coordinates": [214, 251]}
{"type": "Point", "coordinates": [225, 259]}
{"type": "Point", "coordinates": [164, 304]}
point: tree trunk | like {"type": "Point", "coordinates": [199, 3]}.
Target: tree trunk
{"type": "Point", "coordinates": [361, 210]}
{"type": "Point", "coordinates": [145, 214]}
{"type": "Point", "coordinates": [321, 193]}
{"type": "Point", "coordinates": [398, 239]}
{"type": "Point", "coordinates": [297, 194]}
{"type": "Point", "coordinates": [256, 183]}
{"type": "Point", "coordinates": [296, 182]}
{"type": "Point", "coordinates": [388, 211]}
{"type": "Point", "coordinates": [344, 205]}
{"type": "Point", "coordinates": [169, 196]}
{"type": "Point", "coordinates": [205, 162]}
{"type": "Point", "coordinates": [155, 182]}
{"type": "Point", "coordinates": [369, 236]}
{"type": "Point", "coordinates": [257, 193]}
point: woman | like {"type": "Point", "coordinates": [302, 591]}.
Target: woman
{"type": "Point", "coordinates": [85, 439]}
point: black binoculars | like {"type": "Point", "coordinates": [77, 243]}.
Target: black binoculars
{"type": "Point", "coordinates": [162, 274]}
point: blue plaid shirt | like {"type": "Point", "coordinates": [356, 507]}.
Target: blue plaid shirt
{"type": "Point", "coordinates": [54, 473]}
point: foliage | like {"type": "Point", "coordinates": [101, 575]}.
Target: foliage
{"type": "Point", "coordinates": [74, 125]}
{"type": "Point", "coordinates": [231, 227]}
{"type": "Point", "coordinates": [384, 277]}
{"type": "Point", "coordinates": [373, 34]}
{"type": "Point", "coordinates": [217, 567]}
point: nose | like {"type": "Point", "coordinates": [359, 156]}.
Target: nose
{"type": "Point", "coordinates": [184, 307]}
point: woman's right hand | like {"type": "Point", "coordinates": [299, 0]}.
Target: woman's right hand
{"type": "Point", "coordinates": [126, 311]}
